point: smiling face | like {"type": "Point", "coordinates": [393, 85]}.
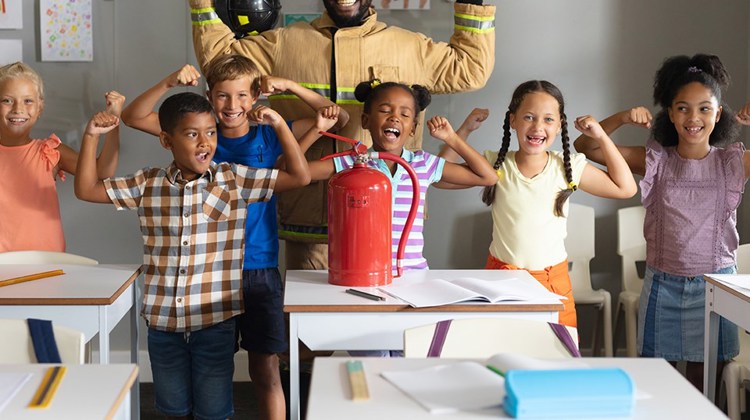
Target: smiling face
{"type": "Point", "coordinates": [537, 122]}
{"type": "Point", "coordinates": [231, 100]}
{"type": "Point", "coordinates": [391, 120]}
{"type": "Point", "coordinates": [694, 113]}
{"type": "Point", "coordinates": [347, 13]}
{"type": "Point", "coordinates": [192, 142]}
{"type": "Point", "coordinates": [20, 108]}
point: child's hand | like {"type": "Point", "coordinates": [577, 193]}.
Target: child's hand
{"type": "Point", "coordinates": [101, 123]}
{"type": "Point", "coordinates": [262, 114]}
{"type": "Point", "coordinates": [186, 76]}
{"type": "Point", "coordinates": [440, 128]}
{"type": "Point", "coordinates": [327, 117]}
{"type": "Point", "coordinates": [271, 85]}
{"type": "Point", "coordinates": [639, 116]}
{"type": "Point", "coordinates": [743, 115]}
{"type": "Point", "coordinates": [475, 119]}
{"type": "Point", "coordinates": [114, 101]}
{"type": "Point", "coordinates": [589, 126]}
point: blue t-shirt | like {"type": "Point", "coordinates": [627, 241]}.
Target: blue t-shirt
{"type": "Point", "coordinates": [259, 148]}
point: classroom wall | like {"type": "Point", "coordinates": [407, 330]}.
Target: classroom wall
{"type": "Point", "coordinates": [601, 53]}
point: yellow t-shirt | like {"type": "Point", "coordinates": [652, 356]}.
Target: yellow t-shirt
{"type": "Point", "coordinates": [526, 232]}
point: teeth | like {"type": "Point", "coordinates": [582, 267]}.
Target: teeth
{"type": "Point", "coordinates": [346, 2]}
{"type": "Point", "coordinates": [393, 131]}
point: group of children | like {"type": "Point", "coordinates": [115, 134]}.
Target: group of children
{"type": "Point", "coordinates": [209, 224]}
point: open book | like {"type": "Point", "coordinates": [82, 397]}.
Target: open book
{"type": "Point", "coordinates": [444, 292]}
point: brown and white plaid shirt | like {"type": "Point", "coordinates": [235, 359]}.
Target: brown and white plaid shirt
{"type": "Point", "coordinates": [193, 236]}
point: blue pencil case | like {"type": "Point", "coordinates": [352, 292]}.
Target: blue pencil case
{"type": "Point", "coordinates": [568, 393]}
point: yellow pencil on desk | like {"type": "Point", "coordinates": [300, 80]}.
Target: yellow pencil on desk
{"type": "Point", "coordinates": [48, 387]}
{"type": "Point", "coordinates": [357, 380]}
{"type": "Point", "coordinates": [30, 277]}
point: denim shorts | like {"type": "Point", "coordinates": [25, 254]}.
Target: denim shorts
{"type": "Point", "coordinates": [671, 318]}
{"type": "Point", "coordinates": [193, 371]}
{"type": "Point", "coordinates": [261, 327]}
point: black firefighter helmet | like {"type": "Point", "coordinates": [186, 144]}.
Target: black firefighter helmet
{"type": "Point", "coordinates": [246, 17]}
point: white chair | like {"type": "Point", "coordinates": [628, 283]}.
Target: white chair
{"type": "Point", "coordinates": [43, 257]}
{"type": "Point", "coordinates": [580, 247]}
{"type": "Point", "coordinates": [737, 372]}
{"type": "Point", "coordinates": [484, 337]}
{"type": "Point", "coordinates": [631, 246]}
{"type": "Point", "coordinates": [17, 347]}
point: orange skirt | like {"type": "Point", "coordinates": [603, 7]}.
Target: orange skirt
{"type": "Point", "coordinates": [555, 278]}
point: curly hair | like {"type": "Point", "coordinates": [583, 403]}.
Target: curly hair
{"type": "Point", "coordinates": [673, 75]}
{"type": "Point", "coordinates": [531, 86]}
{"type": "Point", "coordinates": [368, 91]}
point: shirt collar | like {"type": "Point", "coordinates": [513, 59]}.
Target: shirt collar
{"type": "Point", "coordinates": [174, 175]}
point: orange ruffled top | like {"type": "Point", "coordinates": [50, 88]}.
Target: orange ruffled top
{"type": "Point", "coordinates": [29, 208]}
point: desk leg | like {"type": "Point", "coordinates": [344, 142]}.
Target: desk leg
{"type": "Point", "coordinates": [103, 336]}
{"type": "Point", "coordinates": [294, 409]}
{"type": "Point", "coordinates": [710, 347]}
{"type": "Point", "coordinates": [135, 393]}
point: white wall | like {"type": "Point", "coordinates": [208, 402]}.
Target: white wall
{"type": "Point", "coordinates": [601, 53]}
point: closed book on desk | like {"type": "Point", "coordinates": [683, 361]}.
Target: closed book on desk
{"type": "Point", "coordinates": [445, 292]}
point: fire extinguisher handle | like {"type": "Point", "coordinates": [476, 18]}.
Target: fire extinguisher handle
{"type": "Point", "coordinates": [358, 147]}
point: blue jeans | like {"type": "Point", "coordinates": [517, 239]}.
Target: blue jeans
{"type": "Point", "coordinates": [193, 371]}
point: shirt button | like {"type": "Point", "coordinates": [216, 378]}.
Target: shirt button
{"type": "Point", "coordinates": [186, 214]}
{"type": "Point", "coordinates": [179, 300]}
{"type": "Point", "coordinates": [183, 271]}
{"type": "Point", "coordinates": [184, 242]}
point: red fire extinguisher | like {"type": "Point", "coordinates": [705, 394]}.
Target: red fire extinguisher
{"type": "Point", "coordinates": [360, 217]}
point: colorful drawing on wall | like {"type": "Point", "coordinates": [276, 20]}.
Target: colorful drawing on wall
{"type": "Point", "coordinates": [11, 50]}
{"type": "Point", "coordinates": [65, 28]}
{"type": "Point", "coordinates": [11, 14]}
{"type": "Point", "coordinates": [290, 18]}
{"type": "Point", "coordinates": [402, 4]}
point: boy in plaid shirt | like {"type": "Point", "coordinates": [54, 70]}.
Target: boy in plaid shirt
{"type": "Point", "coordinates": [191, 216]}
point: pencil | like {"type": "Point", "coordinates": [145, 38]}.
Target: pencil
{"type": "Point", "coordinates": [364, 294]}
{"type": "Point", "coordinates": [30, 277]}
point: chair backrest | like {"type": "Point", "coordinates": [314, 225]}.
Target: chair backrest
{"type": "Point", "coordinates": [484, 337]}
{"type": "Point", "coordinates": [743, 259]}
{"type": "Point", "coordinates": [17, 347]}
{"type": "Point", "coordinates": [631, 245]}
{"type": "Point", "coordinates": [43, 257]}
{"type": "Point", "coordinates": [580, 246]}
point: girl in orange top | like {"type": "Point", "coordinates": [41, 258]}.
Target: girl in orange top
{"type": "Point", "coordinates": [29, 209]}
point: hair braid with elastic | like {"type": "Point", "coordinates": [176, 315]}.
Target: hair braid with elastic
{"type": "Point", "coordinates": [563, 195]}
{"type": "Point", "coordinates": [488, 194]}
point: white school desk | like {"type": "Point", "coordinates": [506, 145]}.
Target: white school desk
{"type": "Point", "coordinates": [671, 395]}
{"type": "Point", "coordinates": [731, 303]}
{"type": "Point", "coordinates": [324, 317]}
{"type": "Point", "coordinates": [92, 299]}
{"type": "Point", "coordinates": [90, 392]}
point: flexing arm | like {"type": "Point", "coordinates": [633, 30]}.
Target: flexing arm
{"type": "Point", "coordinates": [297, 173]}
{"type": "Point", "coordinates": [472, 122]}
{"type": "Point", "coordinates": [475, 172]}
{"type": "Point", "coordinates": [87, 185]}
{"type": "Point", "coordinates": [106, 163]}
{"type": "Point", "coordinates": [635, 156]}
{"type": "Point", "coordinates": [140, 113]}
{"type": "Point", "coordinates": [743, 117]}
{"type": "Point", "coordinates": [618, 181]}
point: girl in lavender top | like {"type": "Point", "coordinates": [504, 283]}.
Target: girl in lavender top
{"type": "Point", "coordinates": [694, 172]}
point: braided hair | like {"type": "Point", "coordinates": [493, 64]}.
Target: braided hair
{"type": "Point", "coordinates": [673, 75]}
{"type": "Point", "coordinates": [531, 86]}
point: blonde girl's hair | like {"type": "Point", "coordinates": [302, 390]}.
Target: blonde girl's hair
{"type": "Point", "coordinates": [22, 70]}
{"type": "Point", "coordinates": [531, 86]}
{"type": "Point", "coordinates": [233, 67]}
